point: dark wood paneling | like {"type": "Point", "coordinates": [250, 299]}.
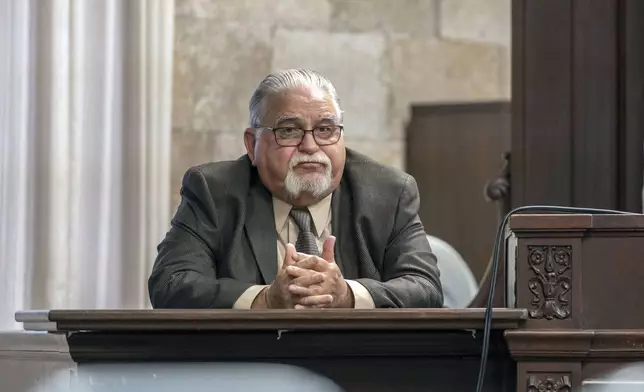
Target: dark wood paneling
{"type": "Point", "coordinates": [594, 96]}
{"type": "Point", "coordinates": [273, 345]}
{"type": "Point", "coordinates": [541, 163]}
{"type": "Point", "coordinates": [577, 94]}
{"type": "Point", "coordinates": [631, 99]}
{"type": "Point", "coordinates": [452, 151]}
{"type": "Point", "coordinates": [517, 163]}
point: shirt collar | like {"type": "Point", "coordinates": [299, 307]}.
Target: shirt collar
{"type": "Point", "coordinates": [320, 212]}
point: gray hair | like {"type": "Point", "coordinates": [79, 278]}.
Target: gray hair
{"type": "Point", "coordinates": [288, 79]}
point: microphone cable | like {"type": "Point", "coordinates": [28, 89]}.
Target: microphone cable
{"type": "Point", "coordinates": [496, 261]}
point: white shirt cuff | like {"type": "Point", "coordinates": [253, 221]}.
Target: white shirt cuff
{"type": "Point", "coordinates": [361, 297]}
{"type": "Point", "coordinates": [245, 301]}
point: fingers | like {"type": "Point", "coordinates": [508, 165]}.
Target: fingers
{"type": "Point", "coordinates": [300, 290]}
{"type": "Point", "coordinates": [308, 280]}
{"type": "Point", "coordinates": [313, 263]}
{"type": "Point", "coordinates": [307, 263]}
{"type": "Point", "coordinates": [290, 255]}
{"type": "Point", "coordinates": [305, 291]}
{"type": "Point", "coordinates": [300, 256]}
{"type": "Point", "coordinates": [311, 307]}
{"type": "Point", "coordinates": [296, 272]}
{"type": "Point", "coordinates": [327, 249]}
{"type": "Point", "coordinates": [315, 300]}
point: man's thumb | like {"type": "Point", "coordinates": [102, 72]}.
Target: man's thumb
{"type": "Point", "coordinates": [327, 249]}
{"type": "Point", "coordinates": [289, 257]}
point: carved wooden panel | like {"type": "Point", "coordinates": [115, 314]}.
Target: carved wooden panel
{"type": "Point", "coordinates": [544, 382]}
{"type": "Point", "coordinates": [551, 281]}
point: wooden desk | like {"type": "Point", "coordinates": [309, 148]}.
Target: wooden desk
{"type": "Point", "coordinates": [361, 350]}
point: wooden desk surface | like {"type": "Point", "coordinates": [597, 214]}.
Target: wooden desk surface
{"type": "Point", "coordinates": [327, 319]}
{"type": "Point", "coordinates": [557, 222]}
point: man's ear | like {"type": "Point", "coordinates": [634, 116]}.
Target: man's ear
{"type": "Point", "coordinates": [249, 141]}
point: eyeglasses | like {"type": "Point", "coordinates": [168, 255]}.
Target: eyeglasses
{"type": "Point", "coordinates": [324, 135]}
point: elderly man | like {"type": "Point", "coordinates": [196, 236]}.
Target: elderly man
{"type": "Point", "coordinates": [298, 222]}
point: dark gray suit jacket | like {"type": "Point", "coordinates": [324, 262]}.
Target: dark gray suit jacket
{"type": "Point", "coordinates": [223, 238]}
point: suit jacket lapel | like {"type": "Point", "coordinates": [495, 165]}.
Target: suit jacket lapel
{"type": "Point", "coordinates": [260, 229]}
{"type": "Point", "coordinates": [345, 251]}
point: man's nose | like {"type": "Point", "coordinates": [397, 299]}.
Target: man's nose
{"type": "Point", "coordinates": [308, 144]}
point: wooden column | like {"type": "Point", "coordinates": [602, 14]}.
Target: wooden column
{"type": "Point", "coordinates": [577, 99]}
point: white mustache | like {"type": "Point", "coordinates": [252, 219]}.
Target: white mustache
{"type": "Point", "coordinates": [303, 158]}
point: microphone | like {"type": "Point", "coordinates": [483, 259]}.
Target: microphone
{"type": "Point", "coordinates": [495, 267]}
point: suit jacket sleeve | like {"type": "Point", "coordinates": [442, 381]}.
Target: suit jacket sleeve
{"type": "Point", "coordinates": [410, 276]}
{"type": "Point", "coordinates": [184, 274]}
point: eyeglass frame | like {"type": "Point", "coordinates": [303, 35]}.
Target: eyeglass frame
{"type": "Point", "coordinates": [312, 131]}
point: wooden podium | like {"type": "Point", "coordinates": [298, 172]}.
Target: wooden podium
{"type": "Point", "coordinates": [572, 313]}
{"type": "Point", "coordinates": [360, 350]}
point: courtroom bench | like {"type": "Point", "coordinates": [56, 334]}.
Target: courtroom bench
{"type": "Point", "coordinates": [359, 350]}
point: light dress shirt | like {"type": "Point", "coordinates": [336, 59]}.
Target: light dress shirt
{"type": "Point", "coordinates": [287, 231]}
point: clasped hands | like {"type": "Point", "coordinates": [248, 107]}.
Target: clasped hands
{"type": "Point", "coordinates": [306, 281]}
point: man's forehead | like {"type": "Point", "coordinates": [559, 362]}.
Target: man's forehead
{"type": "Point", "coordinates": [300, 97]}
{"type": "Point", "coordinates": [284, 118]}
{"type": "Point", "coordinates": [299, 104]}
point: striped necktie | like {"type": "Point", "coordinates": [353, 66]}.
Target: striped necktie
{"type": "Point", "coordinates": [306, 241]}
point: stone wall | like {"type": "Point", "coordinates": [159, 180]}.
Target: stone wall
{"type": "Point", "coordinates": [382, 55]}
